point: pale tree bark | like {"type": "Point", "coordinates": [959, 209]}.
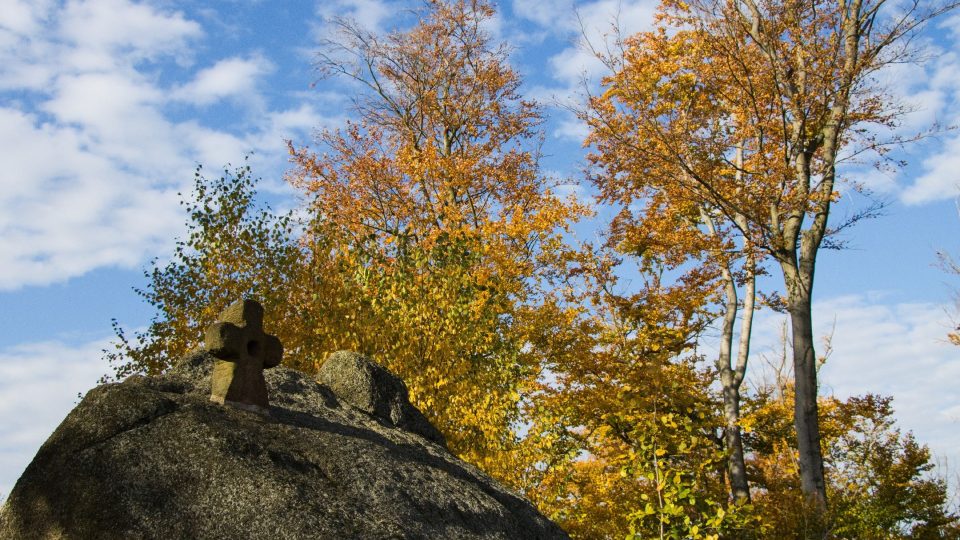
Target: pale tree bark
{"type": "Point", "coordinates": [732, 374]}
{"type": "Point", "coordinates": [806, 414]}
{"type": "Point", "coordinates": [794, 80]}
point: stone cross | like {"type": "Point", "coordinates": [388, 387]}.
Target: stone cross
{"type": "Point", "coordinates": [242, 351]}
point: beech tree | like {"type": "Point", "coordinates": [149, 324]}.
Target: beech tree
{"type": "Point", "coordinates": [660, 219]}
{"type": "Point", "coordinates": [431, 239]}
{"type": "Point", "coordinates": [880, 481]}
{"type": "Point", "coordinates": [631, 424]}
{"type": "Point", "coordinates": [791, 84]}
{"type": "Point", "coordinates": [444, 218]}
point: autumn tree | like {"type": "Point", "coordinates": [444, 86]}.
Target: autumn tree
{"type": "Point", "coordinates": [628, 420]}
{"type": "Point", "coordinates": [442, 217]}
{"type": "Point", "coordinates": [880, 480]}
{"type": "Point", "coordinates": [428, 239]}
{"type": "Point", "coordinates": [660, 219]}
{"type": "Point", "coordinates": [789, 87]}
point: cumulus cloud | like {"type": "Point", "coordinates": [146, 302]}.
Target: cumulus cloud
{"type": "Point", "coordinates": [601, 23]}
{"type": "Point", "coordinates": [63, 205]}
{"type": "Point", "coordinates": [936, 102]}
{"type": "Point", "coordinates": [879, 182]}
{"type": "Point", "coordinates": [121, 24]}
{"type": "Point", "coordinates": [941, 177]}
{"type": "Point", "coordinates": [370, 14]}
{"type": "Point", "coordinates": [39, 383]}
{"type": "Point", "coordinates": [930, 91]}
{"type": "Point", "coordinates": [23, 16]}
{"type": "Point", "coordinates": [93, 135]}
{"type": "Point", "coordinates": [552, 15]}
{"type": "Point", "coordinates": [899, 350]}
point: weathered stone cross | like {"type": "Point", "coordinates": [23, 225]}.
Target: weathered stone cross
{"type": "Point", "coordinates": [243, 350]}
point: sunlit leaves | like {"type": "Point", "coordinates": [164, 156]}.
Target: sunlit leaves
{"type": "Point", "coordinates": [443, 221]}
{"type": "Point", "coordinates": [880, 480]}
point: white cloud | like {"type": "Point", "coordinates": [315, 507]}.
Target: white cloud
{"type": "Point", "coordinates": [935, 98]}
{"type": "Point", "coordinates": [227, 78]}
{"type": "Point", "coordinates": [930, 91]}
{"type": "Point", "coordinates": [941, 179]}
{"type": "Point", "coordinates": [39, 383]}
{"type": "Point", "coordinates": [592, 28]}
{"type": "Point", "coordinates": [103, 29]}
{"type": "Point", "coordinates": [62, 205]}
{"type": "Point", "coordinates": [880, 182]}
{"type": "Point", "coordinates": [891, 349]}
{"type": "Point", "coordinates": [115, 113]}
{"type": "Point", "coordinates": [575, 65]}
{"type": "Point", "coordinates": [925, 89]}
{"type": "Point", "coordinates": [93, 152]}
{"type": "Point", "coordinates": [81, 189]}
{"type": "Point", "coordinates": [571, 128]}
{"type": "Point", "coordinates": [23, 16]}
{"type": "Point", "coordinates": [369, 14]}
{"type": "Point", "coordinates": [552, 15]}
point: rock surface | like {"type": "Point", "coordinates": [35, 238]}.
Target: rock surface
{"type": "Point", "coordinates": [366, 385]}
{"type": "Point", "coordinates": [152, 457]}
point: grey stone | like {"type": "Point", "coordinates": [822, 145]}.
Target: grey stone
{"type": "Point", "coordinates": [243, 350]}
{"type": "Point", "coordinates": [153, 458]}
{"type": "Point", "coordinates": [370, 387]}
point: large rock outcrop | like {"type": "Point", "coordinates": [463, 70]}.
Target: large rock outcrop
{"type": "Point", "coordinates": [153, 457]}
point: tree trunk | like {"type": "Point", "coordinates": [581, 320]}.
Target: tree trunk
{"type": "Point", "coordinates": [736, 467]}
{"type": "Point", "coordinates": [806, 416]}
{"type": "Point", "coordinates": [731, 377]}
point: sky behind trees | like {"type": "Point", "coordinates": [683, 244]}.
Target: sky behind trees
{"type": "Point", "coordinates": [108, 105]}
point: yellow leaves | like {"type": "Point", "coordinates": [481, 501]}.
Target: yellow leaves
{"type": "Point", "coordinates": [640, 463]}
{"type": "Point", "coordinates": [437, 218]}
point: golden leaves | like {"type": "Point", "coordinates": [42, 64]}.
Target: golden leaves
{"type": "Point", "coordinates": [440, 215]}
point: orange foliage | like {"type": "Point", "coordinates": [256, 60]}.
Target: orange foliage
{"type": "Point", "coordinates": [434, 244]}
{"type": "Point", "coordinates": [787, 87]}
{"type": "Point", "coordinates": [434, 203]}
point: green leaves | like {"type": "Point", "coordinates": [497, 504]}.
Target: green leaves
{"type": "Point", "coordinates": [233, 247]}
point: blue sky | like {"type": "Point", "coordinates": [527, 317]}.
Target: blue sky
{"type": "Point", "coordinates": [106, 107]}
